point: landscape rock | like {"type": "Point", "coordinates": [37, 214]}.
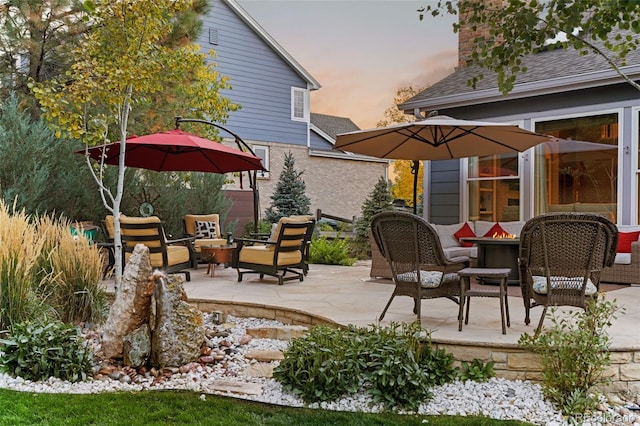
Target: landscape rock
{"type": "Point", "coordinates": [179, 327]}
{"type": "Point", "coordinates": [131, 307]}
{"type": "Point", "coordinates": [136, 347]}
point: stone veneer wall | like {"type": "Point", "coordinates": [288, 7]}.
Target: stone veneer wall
{"type": "Point", "coordinates": [510, 361]}
{"type": "Point", "coordinates": [336, 186]}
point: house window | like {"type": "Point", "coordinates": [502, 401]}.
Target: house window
{"type": "Point", "coordinates": [299, 105]}
{"type": "Point", "coordinates": [574, 176]}
{"type": "Point", "coordinates": [213, 35]}
{"type": "Point", "coordinates": [262, 152]}
{"type": "Point", "coordinates": [494, 188]}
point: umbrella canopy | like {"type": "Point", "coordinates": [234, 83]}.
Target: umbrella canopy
{"type": "Point", "coordinates": [565, 146]}
{"type": "Point", "coordinates": [175, 151]}
{"type": "Point", "coordinates": [439, 138]}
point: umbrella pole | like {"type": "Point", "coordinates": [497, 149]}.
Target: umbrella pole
{"type": "Point", "coordinates": [415, 168]}
{"type": "Point", "coordinates": [241, 144]}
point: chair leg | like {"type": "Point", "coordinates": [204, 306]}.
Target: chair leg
{"type": "Point", "coordinates": [468, 303]}
{"type": "Point", "coordinates": [544, 313]}
{"type": "Point", "coordinates": [239, 276]}
{"type": "Point", "coordinates": [417, 307]}
{"type": "Point", "coordinates": [187, 275]}
{"type": "Point", "coordinates": [384, 311]}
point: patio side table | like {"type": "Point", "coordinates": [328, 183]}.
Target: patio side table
{"type": "Point", "coordinates": [466, 293]}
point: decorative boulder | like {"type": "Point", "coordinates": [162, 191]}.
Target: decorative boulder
{"type": "Point", "coordinates": [131, 307]}
{"type": "Point", "coordinates": [137, 347]}
{"type": "Point", "coordinates": [178, 333]}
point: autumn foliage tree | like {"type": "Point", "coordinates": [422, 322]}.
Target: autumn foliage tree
{"type": "Point", "coordinates": [120, 64]}
{"type": "Point", "coordinates": [402, 178]}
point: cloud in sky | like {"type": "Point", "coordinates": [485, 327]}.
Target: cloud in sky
{"type": "Point", "coordinates": [360, 51]}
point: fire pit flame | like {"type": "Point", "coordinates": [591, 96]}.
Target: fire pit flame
{"type": "Point", "coordinates": [504, 235]}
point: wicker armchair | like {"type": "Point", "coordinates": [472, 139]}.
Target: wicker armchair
{"type": "Point", "coordinates": [419, 267]}
{"type": "Point", "coordinates": [561, 259]}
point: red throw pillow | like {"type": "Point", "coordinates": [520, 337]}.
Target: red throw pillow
{"type": "Point", "coordinates": [496, 229]}
{"type": "Point", "coordinates": [625, 239]}
{"type": "Point", "coordinates": [464, 231]}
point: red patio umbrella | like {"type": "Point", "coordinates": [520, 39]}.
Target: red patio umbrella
{"type": "Point", "coordinates": [176, 151]}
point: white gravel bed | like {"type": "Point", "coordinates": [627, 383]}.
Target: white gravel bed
{"type": "Point", "coordinates": [496, 398]}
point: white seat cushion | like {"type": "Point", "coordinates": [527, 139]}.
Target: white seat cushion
{"type": "Point", "coordinates": [540, 284]}
{"type": "Point", "coordinates": [428, 279]}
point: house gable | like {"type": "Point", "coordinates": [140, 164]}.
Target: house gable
{"type": "Point", "coordinates": [261, 73]}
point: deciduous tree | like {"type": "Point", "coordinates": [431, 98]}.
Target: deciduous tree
{"type": "Point", "coordinates": [401, 169]}
{"type": "Point", "coordinates": [516, 28]}
{"type": "Point", "coordinates": [118, 65]}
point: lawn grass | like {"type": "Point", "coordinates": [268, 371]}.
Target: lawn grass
{"type": "Point", "coordinates": [186, 408]}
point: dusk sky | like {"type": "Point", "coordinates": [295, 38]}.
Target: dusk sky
{"type": "Point", "coordinates": [361, 51]}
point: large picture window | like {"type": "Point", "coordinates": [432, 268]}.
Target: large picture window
{"type": "Point", "coordinates": [575, 176]}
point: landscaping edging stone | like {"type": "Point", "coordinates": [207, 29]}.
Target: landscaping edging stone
{"type": "Point", "coordinates": [511, 362]}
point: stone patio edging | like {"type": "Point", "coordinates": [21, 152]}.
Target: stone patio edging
{"type": "Point", "coordinates": [511, 362]}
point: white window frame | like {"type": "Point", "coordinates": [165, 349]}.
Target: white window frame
{"type": "Point", "coordinates": [299, 99]}
{"type": "Point", "coordinates": [262, 151]}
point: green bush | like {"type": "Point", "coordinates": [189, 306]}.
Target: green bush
{"type": "Point", "coordinates": [36, 351]}
{"type": "Point", "coordinates": [574, 353]}
{"type": "Point", "coordinates": [319, 366]}
{"type": "Point", "coordinates": [476, 370]}
{"type": "Point", "coordinates": [394, 372]}
{"type": "Point", "coordinates": [395, 364]}
{"type": "Point", "coordinates": [335, 251]}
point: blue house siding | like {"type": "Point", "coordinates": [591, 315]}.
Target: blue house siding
{"type": "Point", "coordinates": [261, 80]}
{"type": "Point", "coordinates": [444, 182]}
{"type": "Point", "coordinates": [318, 142]}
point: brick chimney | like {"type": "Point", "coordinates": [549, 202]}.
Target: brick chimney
{"type": "Point", "coordinates": [467, 34]}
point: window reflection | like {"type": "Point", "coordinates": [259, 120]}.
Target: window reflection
{"type": "Point", "coordinates": [494, 188]}
{"type": "Point", "coordinates": [575, 176]}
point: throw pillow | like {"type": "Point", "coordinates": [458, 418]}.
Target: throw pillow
{"type": "Point", "coordinates": [625, 239]}
{"type": "Point", "coordinates": [495, 230]}
{"type": "Point", "coordinates": [464, 231]}
{"type": "Point", "coordinates": [206, 230]}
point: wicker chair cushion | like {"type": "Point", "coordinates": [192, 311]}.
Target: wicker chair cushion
{"type": "Point", "coordinates": [206, 229]}
{"type": "Point", "coordinates": [540, 284]}
{"type": "Point", "coordinates": [428, 279]}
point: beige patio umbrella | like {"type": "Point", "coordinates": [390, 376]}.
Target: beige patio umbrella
{"type": "Point", "coordinates": [438, 138]}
